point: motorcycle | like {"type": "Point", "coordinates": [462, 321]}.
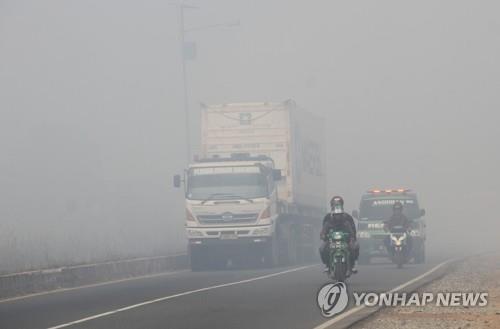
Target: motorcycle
{"type": "Point", "coordinates": [398, 251]}
{"type": "Point", "coordinates": [339, 267]}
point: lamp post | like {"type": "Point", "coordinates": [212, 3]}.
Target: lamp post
{"type": "Point", "coordinates": [188, 53]}
{"type": "Point", "coordinates": [187, 123]}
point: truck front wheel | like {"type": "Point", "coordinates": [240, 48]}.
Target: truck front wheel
{"type": "Point", "coordinates": [197, 259]}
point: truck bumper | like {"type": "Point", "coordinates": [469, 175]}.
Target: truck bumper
{"type": "Point", "coordinates": [242, 235]}
{"type": "Point", "coordinates": [257, 240]}
{"type": "Point", "coordinates": [239, 250]}
{"type": "Point", "coordinates": [235, 243]}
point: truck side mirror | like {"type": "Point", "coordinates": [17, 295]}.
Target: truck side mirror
{"type": "Point", "coordinates": [277, 175]}
{"type": "Point", "coordinates": [355, 214]}
{"type": "Point", "coordinates": [422, 212]}
{"type": "Point", "coordinates": [177, 181]}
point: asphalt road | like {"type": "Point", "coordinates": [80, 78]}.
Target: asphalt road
{"type": "Point", "coordinates": [267, 298]}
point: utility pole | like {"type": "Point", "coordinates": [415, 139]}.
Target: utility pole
{"type": "Point", "coordinates": [185, 55]}
{"type": "Point", "coordinates": [187, 120]}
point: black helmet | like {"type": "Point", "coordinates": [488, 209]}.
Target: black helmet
{"type": "Point", "coordinates": [398, 206]}
{"type": "Point", "coordinates": [337, 204]}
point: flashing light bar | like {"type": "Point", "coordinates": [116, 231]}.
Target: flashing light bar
{"type": "Point", "coordinates": [400, 190]}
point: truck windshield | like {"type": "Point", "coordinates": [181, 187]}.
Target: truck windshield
{"type": "Point", "coordinates": [224, 186]}
{"type": "Point", "coordinates": [381, 209]}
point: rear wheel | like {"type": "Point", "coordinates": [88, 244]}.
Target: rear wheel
{"type": "Point", "coordinates": [306, 243]}
{"type": "Point", "coordinates": [340, 271]}
{"type": "Point", "coordinates": [420, 255]}
{"type": "Point", "coordinates": [399, 258]}
{"type": "Point", "coordinates": [292, 247]}
{"type": "Point", "coordinates": [271, 254]}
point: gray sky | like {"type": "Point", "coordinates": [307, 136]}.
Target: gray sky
{"type": "Point", "coordinates": [91, 109]}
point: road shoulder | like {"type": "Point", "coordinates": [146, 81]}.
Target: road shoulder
{"type": "Point", "coordinates": [475, 274]}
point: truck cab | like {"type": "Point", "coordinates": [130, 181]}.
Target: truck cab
{"type": "Point", "coordinates": [231, 203]}
{"type": "Point", "coordinates": [375, 208]}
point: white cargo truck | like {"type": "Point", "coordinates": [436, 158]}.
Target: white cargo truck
{"type": "Point", "coordinates": [258, 191]}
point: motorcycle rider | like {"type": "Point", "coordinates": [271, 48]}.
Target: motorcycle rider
{"type": "Point", "coordinates": [338, 220]}
{"type": "Point", "coordinates": [397, 219]}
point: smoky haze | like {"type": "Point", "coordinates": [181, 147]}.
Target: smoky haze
{"type": "Point", "coordinates": [91, 126]}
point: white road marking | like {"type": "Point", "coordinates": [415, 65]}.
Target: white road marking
{"type": "Point", "coordinates": [127, 308]}
{"type": "Point", "coordinates": [90, 285]}
{"type": "Point", "coordinates": [337, 319]}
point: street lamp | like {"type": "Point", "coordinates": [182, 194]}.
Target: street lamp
{"type": "Point", "coordinates": [182, 33]}
{"type": "Point", "coordinates": [188, 52]}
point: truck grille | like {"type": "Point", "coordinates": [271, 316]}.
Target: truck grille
{"type": "Point", "coordinates": [228, 218]}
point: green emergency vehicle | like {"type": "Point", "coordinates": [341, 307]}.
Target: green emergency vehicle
{"type": "Point", "coordinates": [374, 209]}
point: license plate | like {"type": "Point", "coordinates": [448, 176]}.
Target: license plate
{"type": "Point", "coordinates": [228, 236]}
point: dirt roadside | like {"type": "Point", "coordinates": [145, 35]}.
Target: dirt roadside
{"type": "Point", "coordinates": [480, 274]}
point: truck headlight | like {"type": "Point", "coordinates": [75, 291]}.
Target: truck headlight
{"type": "Point", "coordinates": [364, 235]}
{"type": "Point", "coordinates": [262, 231]}
{"type": "Point", "coordinates": [190, 216]}
{"type": "Point", "coordinates": [194, 233]}
{"type": "Point", "coordinates": [265, 216]}
{"type": "Point", "coordinates": [266, 213]}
